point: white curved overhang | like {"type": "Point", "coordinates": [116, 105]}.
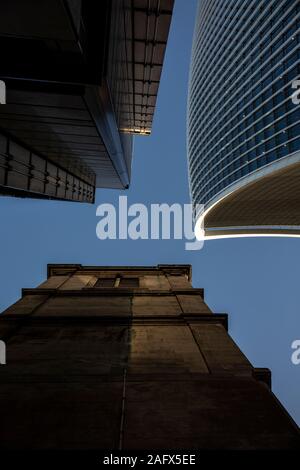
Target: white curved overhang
{"type": "Point", "coordinates": [263, 204]}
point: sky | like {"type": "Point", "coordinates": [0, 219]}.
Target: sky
{"type": "Point", "coordinates": [255, 281]}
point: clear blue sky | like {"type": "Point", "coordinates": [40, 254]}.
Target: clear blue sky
{"type": "Point", "coordinates": [256, 281]}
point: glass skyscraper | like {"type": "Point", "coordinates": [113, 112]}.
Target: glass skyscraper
{"type": "Point", "coordinates": [244, 116]}
{"type": "Point", "coordinates": [81, 79]}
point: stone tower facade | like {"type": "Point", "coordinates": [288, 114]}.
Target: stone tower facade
{"type": "Point", "coordinates": [130, 358]}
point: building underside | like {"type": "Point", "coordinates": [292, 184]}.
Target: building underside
{"type": "Point", "coordinates": [265, 203]}
{"type": "Point", "coordinates": [81, 79]}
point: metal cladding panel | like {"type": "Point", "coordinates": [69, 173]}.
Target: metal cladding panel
{"type": "Point", "coordinates": [26, 174]}
{"type": "Point", "coordinates": [55, 125]}
{"type": "Point", "coordinates": [141, 33]}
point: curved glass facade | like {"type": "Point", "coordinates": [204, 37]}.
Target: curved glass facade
{"type": "Point", "coordinates": [246, 55]}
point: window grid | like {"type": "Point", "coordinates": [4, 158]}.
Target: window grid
{"type": "Point", "coordinates": [258, 123]}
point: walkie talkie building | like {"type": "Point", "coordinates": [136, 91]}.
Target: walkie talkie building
{"type": "Point", "coordinates": [244, 117]}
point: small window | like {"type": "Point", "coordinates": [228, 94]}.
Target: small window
{"type": "Point", "coordinates": [105, 282]}
{"type": "Point", "coordinates": [130, 282]}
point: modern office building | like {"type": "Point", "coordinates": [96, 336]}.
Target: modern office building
{"type": "Point", "coordinates": [130, 358]}
{"type": "Point", "coordinates": [244, 117]}
{"type": "Point", "coordinates": [81, 79]}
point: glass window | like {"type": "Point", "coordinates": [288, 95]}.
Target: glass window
{"type": "Point", "coordinates": [105, 282]}
{"type": "Point", "coordinates": [129, 282]}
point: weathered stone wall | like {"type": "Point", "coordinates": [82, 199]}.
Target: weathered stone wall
{"type": "Point", "coordinates": [149, 367]}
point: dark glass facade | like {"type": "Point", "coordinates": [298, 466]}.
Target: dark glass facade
{"type": "Point", "coordinates": [241, 118]}
{"type": "Point", "coordinates": [81, 79]}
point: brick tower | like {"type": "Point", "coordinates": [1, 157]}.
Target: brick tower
{"type": "Point", "coordinates": [130, 358]}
